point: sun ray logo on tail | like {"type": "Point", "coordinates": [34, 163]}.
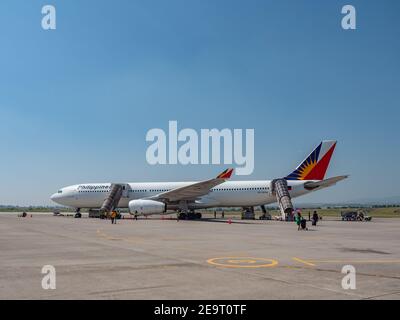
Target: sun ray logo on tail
{"type": "Point", "coordinates": [316, 164]}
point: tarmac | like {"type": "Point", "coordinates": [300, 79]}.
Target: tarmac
{"type": "Point", "coordinates": [160, 258]}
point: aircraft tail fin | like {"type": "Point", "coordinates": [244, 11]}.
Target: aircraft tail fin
{"type": "Point", "coordinates": [316, 164]}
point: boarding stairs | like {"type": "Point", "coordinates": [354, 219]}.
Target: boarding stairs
{"type": "Point", "coordinates": [112, 200]}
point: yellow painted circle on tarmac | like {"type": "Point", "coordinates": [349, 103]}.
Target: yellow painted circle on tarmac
{"type": "Point", "coordinates": [243, 262]}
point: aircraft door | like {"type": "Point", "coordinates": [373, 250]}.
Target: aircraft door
{"type": "Point", "coordinates": [125, 191]}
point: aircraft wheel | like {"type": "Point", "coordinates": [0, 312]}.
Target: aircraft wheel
{"type": "Point", "coordinates": [78, 215]}
{"type": "Point", "coordinates": [190, 215]}
{"type": "Point", "coordinates": [182, 216]}
{"type": "Point", "coordinates": [198, 215]}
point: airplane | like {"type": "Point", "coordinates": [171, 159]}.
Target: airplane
{"type": "Point", "coordinates": [152, 198]}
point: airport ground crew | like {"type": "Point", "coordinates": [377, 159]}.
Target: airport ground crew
{"type": "Point", "coordinates": [215, 214]}
{"type": "Point", "coordinates": [114, 217]}
{"type": "Point", "coordinates": [315, 218]}
{"type": "Point", "coordinates": [223, 214]}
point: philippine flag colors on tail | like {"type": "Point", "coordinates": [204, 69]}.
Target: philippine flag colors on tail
{"type": "Point", "coordinates": [315, 165]}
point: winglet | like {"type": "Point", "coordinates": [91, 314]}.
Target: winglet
{"type": "Point", "coordinates": [225, 174]}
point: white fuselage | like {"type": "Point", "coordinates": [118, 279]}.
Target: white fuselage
{"type": "Point", "coordinates": [227, 194]}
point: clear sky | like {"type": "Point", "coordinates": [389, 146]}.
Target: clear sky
{"type": "Point", "coordinates": [76, 103]}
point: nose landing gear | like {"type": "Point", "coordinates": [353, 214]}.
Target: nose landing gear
{"type": "Point", "coordinates": [78, 213]}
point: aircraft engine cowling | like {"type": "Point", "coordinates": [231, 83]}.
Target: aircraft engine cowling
{"type": "Point", "coordinates": [146, 207]}
{"type": "Point", "coordinates": [280, 188]}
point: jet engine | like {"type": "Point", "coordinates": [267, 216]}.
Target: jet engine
{"type": "Point", "coordinates": [144, 207]}
{"type": "Point", "coordinates": [280, 189]}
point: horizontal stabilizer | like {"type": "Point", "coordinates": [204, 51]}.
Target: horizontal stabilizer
{"type": "Point", "coordinates": [323, 183]}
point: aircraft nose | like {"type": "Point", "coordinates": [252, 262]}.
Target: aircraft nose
{"type": "Point", "coordinates": [54, 197]}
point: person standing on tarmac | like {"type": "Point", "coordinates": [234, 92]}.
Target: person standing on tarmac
{"type": "Point", "coordinates": [315, 218]}
{"type": "Point", "coordinates": [114, 217]}
{"type": "Point", "coordinates": [298, 219]}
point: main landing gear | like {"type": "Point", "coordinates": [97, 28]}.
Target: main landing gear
{"type": "Point", "coordinates": [191, 215]}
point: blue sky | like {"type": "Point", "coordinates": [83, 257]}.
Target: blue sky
{"type": "Point", "coordinates": [76, 103]}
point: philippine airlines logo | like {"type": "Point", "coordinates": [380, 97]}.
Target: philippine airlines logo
{"type": "Point", "coordinates": [187, 146]}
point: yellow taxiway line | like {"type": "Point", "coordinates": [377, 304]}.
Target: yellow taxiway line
{"type": "Point", "coordinates": [308, 263]}
{"type": "Point", "coordinates": [243, 262]}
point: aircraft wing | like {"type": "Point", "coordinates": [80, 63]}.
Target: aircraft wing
{"type": "Point", "coordinates": [195, 190]}
{"type": "Point", "coordinates": [323, 183]}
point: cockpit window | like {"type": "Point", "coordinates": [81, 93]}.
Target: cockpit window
{"type": "Point", "coordinates": [59, 191]}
